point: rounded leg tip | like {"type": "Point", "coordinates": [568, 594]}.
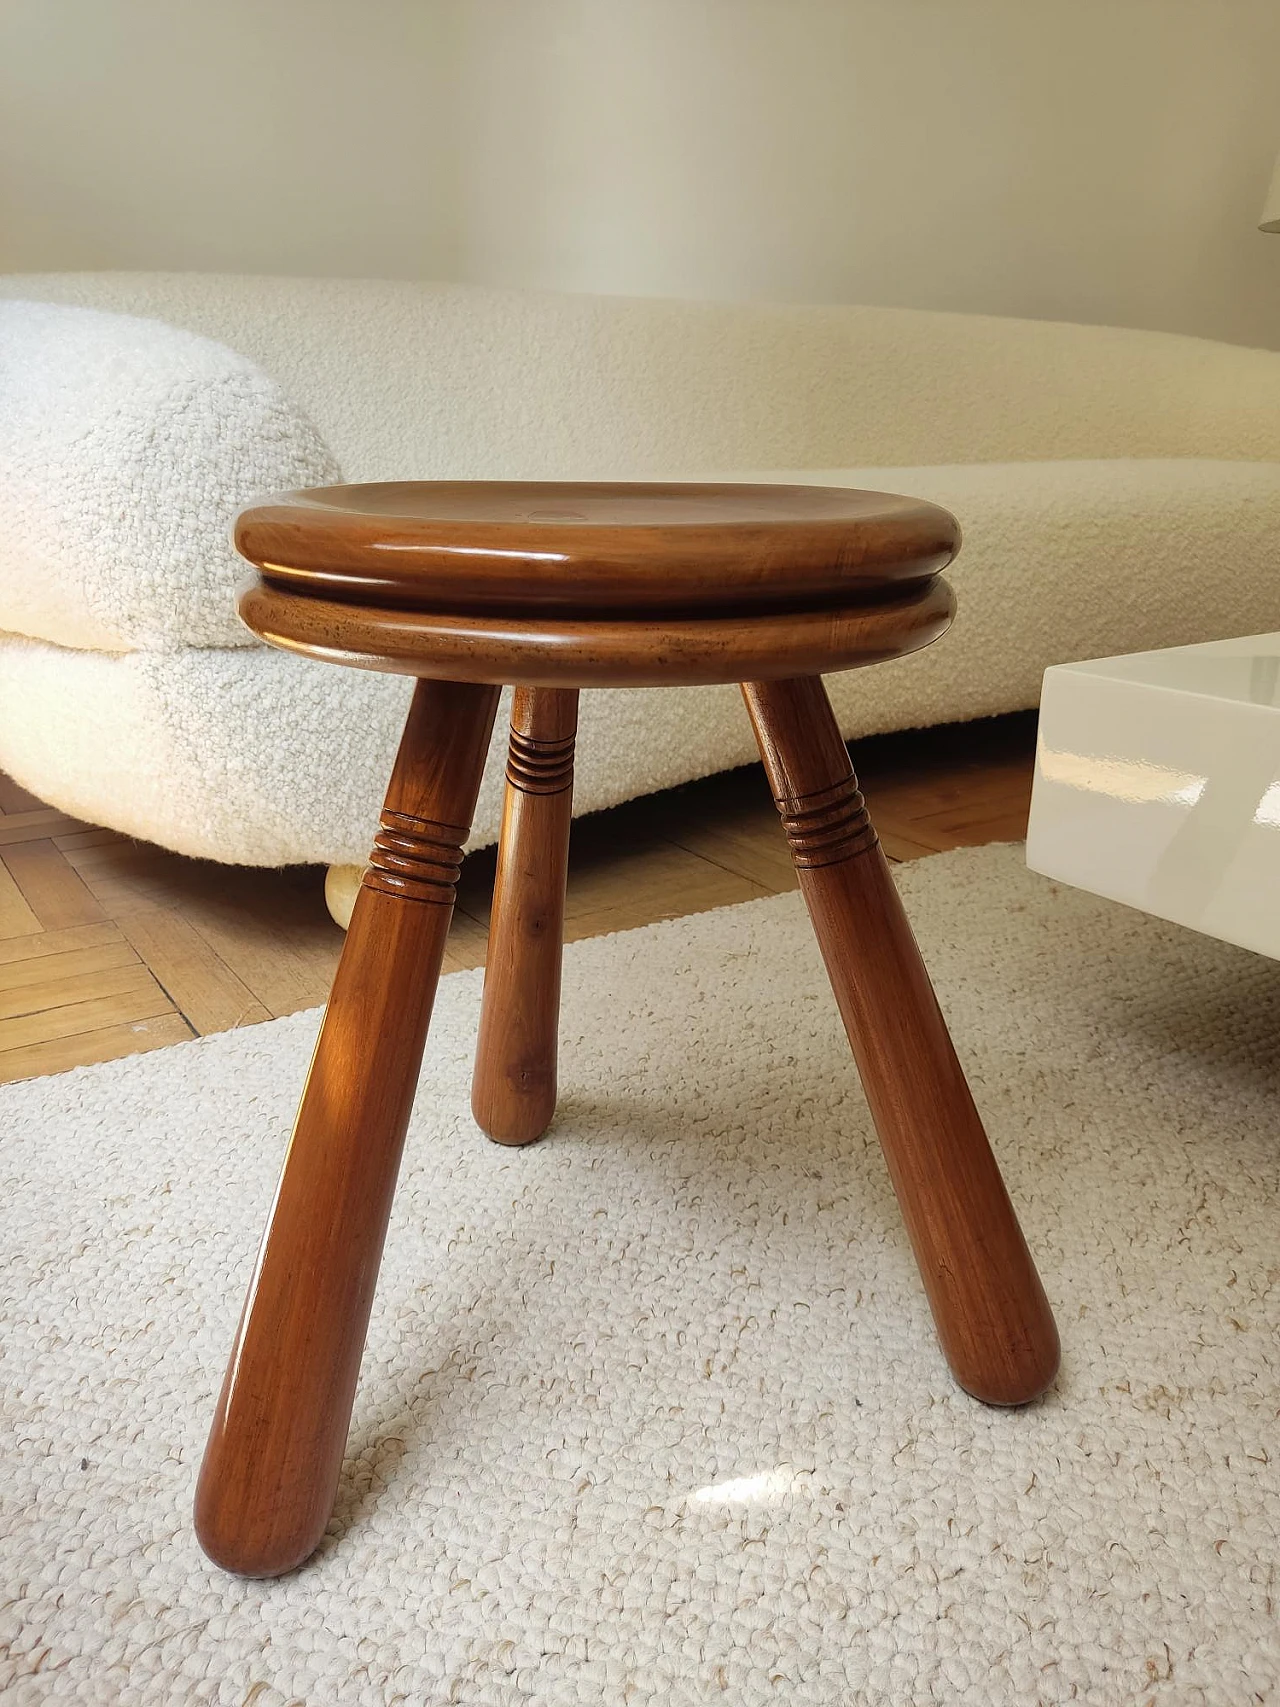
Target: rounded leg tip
{"type": "Point", "coordinates": [254, 1532]}
{"type": "Point", "coordinates": [510, 1142]}
{"type": "Point", "coordinates": [516, 1119]}
{"type": "Point", "coordinates": [244, 1554]}
{"type": "Point", "coordinates": [1019, 1380]}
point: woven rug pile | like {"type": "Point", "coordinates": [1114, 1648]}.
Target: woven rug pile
{"type": "Point", "coordinates": [652, 1411]}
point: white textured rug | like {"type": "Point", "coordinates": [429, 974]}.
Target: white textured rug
{"type": "Point", "coordinates": [652, 1412]}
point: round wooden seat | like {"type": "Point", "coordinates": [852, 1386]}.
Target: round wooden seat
{"type": "Point", "coordinates": [553, 588]}
{"type": "Point", "coordinates": [596, 549]}
{"type": "Point", "coordinates": [597, 584]}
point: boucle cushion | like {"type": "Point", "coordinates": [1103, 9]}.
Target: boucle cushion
{"type": "Point", "coordinates": [414, 380]}
{"type": "Point", "coordinates": [126, 446]}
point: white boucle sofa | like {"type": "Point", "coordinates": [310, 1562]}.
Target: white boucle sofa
{"type": "Point", "coordinates": [1119, 491]}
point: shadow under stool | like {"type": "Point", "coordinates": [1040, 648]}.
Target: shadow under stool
{"type": "Point", "coordinates": [469, 586]}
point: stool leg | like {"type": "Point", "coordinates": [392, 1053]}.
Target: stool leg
{"type": "Point", "coordinates": [275, 1450]}
{"type": "Point", "coordinates": [993, 1320]}
{"type": "Point", "coordinates": [513, 1095]}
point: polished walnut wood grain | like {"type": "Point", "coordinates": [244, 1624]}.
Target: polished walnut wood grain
{"type": "Point", "coordinates": [271, 1466]}
{"type": "Point", "coordinates": [595, 549]}
{"type": "Point", "coordinates": [559, 652]}
{"type": "Point", "coordinates": [513, 1095]}
{"type": "Point", "coordinates": [992, 1316]}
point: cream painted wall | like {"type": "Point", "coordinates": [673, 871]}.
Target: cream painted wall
{"type": "Point", "coordinates": [1100, 160]}
{"type": "Point", "coordinates": [295, 136]}
{"type": "Point", "coordinates": [1082, 159]}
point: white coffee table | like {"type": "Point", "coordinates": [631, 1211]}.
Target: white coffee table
{"type": "Point", "coordinates": [1158, 784]}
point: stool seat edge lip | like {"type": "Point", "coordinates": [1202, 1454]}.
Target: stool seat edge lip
{"type": "Point", "coordinates": [555, 651]}
{"type": "Point", "coordinates": [856, 546]}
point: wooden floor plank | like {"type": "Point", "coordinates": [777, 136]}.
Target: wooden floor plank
{"type": "Point", "coordinates": [126, 857]}
{"type": "Point", "coordinates": [467, 945]}
{"type": "Point", "coordinates": [749, 843]}
{"type": "Point", "coordinates": [71, 963]}
{"type": "Point", "coordinates": [15, 799]}
{"type": "Point", "coordinates": [127, 981]}
{"type": "Point", "coordinates": [16, 917]}
{"type": "Point", "coordinates": [73, 840]}
{"type": "Point", "coordinates": [976, 821]}
{"type": "Point", "coordinates": [35, 826]}
{"type": "Point", "coordinates": [899, 847]}
{"type": "Point", "coordinates": [51, 889]}
{"type": "Point", "coordinates": [925, 841]}
{"type": "Point", "coordinates": [203, 987]}
{"type": "Point", "coordinates": [133, 878]}
{"type": "Point", "coordinates": [56, 942]}
{"type": "Point", "coordinates": [269, 930]}
{"type": "Point", "coordinates": [618, 889]}
{"type": "Point", "coordinates": [147, 1002]}
{"type": "Point", "coordinates": [287, 962]}
{"type": "Point", "coordinates": [86, 1049]}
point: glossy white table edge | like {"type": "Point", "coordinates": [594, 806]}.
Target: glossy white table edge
{"type": "Point", "coordinates": [1157, 784]}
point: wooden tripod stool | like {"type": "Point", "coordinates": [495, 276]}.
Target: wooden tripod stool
{"type": "Point", "coordinates": [556, 588]}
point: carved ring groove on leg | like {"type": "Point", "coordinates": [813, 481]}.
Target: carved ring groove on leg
{"type": "Point", "coordinates": [828, 826]}
{"type": "Point", "coordinates": [540, 767]}
{"type": "Point", "coordinates": [415, 858]}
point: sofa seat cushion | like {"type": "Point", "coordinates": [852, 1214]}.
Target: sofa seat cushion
{"type": "Point", "coordinates": [255, 756]}
{"type": "Point", "coordinates": [126, 447]}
